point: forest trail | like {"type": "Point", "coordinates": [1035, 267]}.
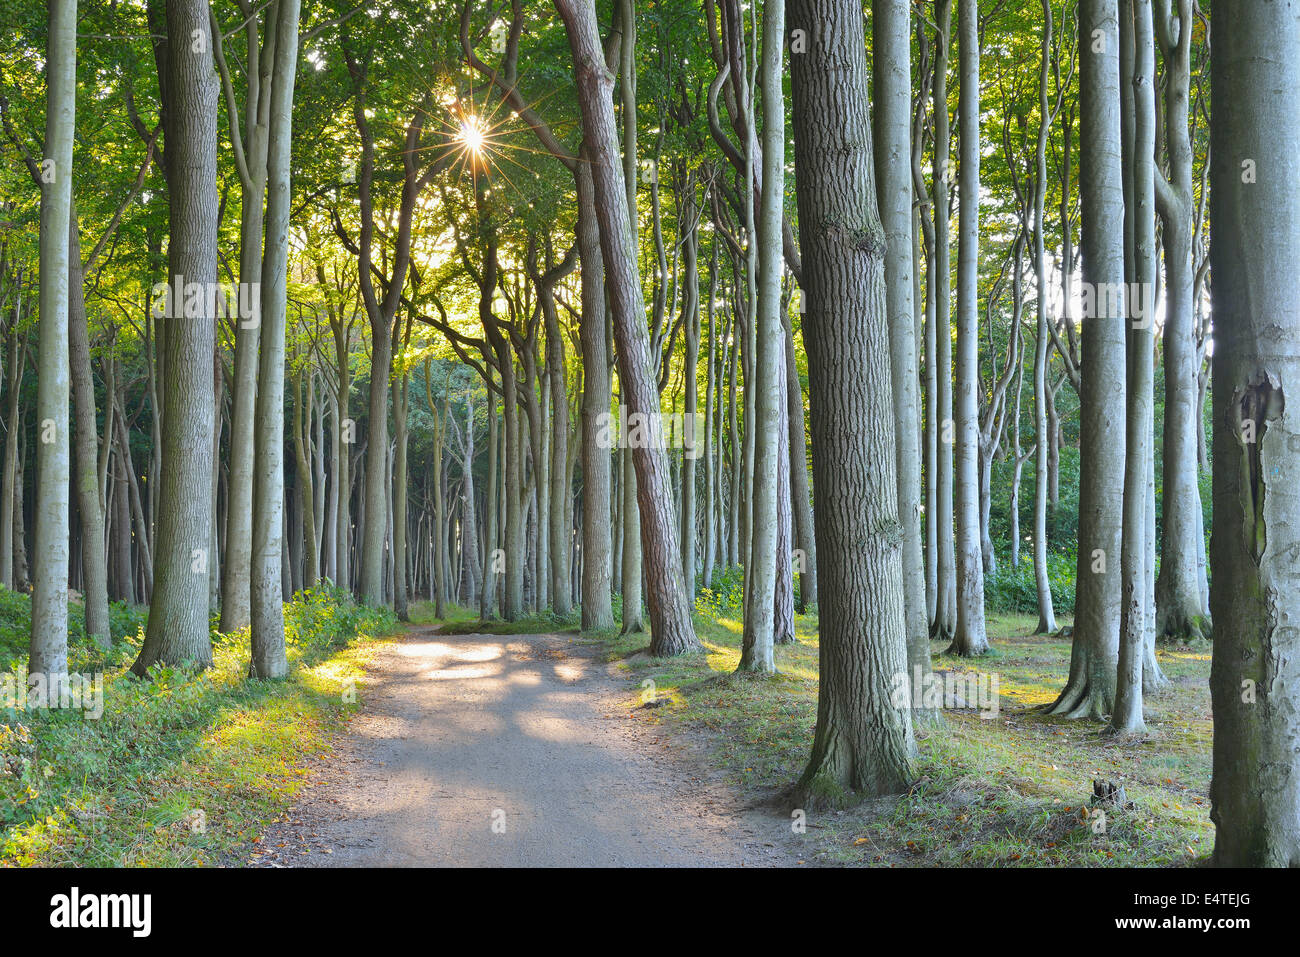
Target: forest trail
{"type": "Point", "coordinates": [529, 733]}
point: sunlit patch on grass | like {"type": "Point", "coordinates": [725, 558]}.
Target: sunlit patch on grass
{"type": "Point", "coordinates": [184, 768]}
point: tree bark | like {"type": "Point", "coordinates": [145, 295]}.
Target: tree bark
{"type": "Point", "coordinates": [177, 632]}
{"type": "Point", "coordinates": [267, 613]}
{"type": "Point", "coordinates": [1090, 689]}
{"type": "Point", "coordinates": [49, 638]}
{"type": "Point", "coordinates": [670, 619]}
{"type": "Point", "coordinates": [892, 77]}
{"type": "Point", "coordinates": [1255, 543]}
{"type": "Point", "coordinates": [863, 742]}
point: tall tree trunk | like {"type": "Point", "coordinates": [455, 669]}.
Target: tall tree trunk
{"type": "Point", "coordinates": [268, 659]}
{"type": "Point", "coordinates": [236, 596]}
{"type": "Point", "coordinates": [892, 76]}
{"type": "Point", "coordinates": [1180, 606]}
{"type": "Point", "coordinates": [1090, 689]}
{"type": "Point", "coordinates": [863, 741]}
{"type": "Point", "coordinates": [16, 356]}
{"type": "Point", "coordinates": [597, 539]}
{"type": "Point", "coordinates": [1136, 30]}
{"type": "Point", "coordinates": [944, 626]}
{"type": "Point", "coordinates": [769, 360]}
{"type": "Point", "coordinates": [800, 494]}
{"type": "Point", "coordinates": [49, 638]}
{"type": "Point", "coordinates": [401, 589]}
{"type": "Point", "coordinates": [90, 506]}
{"type": "Point", "coordinates": [969, 638]}
{"type": "Point", "coordinates": [491, 564]}
{"type": "Point", "coordinates": [177, 632]}
{"type": "Point", "coordinates": [692, 444]}
{"type": "Point", "coordinates": [1042, 581]}
{"type": "Point", "coordinates": [1254, 586]}
{"type": "Point", "coordinates": [670, 618]}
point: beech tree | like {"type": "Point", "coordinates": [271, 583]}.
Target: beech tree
{"type": "Point", "coordinates": [49, 645]}
{"type": "Point", "coordinates": [670, 622]}
{"type": "Point", "coordinates": [178, 613]}
{"type": "Point", "coordinates": [1255, 149]}
{"type": "Point", "coordinates": [1090, 689]}
{"type": "Point", "coordinates": [863, 744]}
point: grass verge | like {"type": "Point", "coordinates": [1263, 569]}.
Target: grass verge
{"type": "Point", "coordinates": [181, 769]}
{"type": "Point", "coordinates": [1010, 788]}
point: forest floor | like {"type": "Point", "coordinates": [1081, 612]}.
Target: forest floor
{"type": "Point", "coordinates": [511, 750]}
{"type": "Point", "coordinates": [1009, 786]}
{"type": "Point", "coordinates": [530, 747]}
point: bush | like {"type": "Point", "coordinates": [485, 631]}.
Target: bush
{"type": "Point", "coordinates": [328, 616]}
{"type": "Point", "coordinates": [121, 787]}
{"type": "Point", "coordinates": [1013, 589]}
{"type": "Point", "coordinates": [726, 598]}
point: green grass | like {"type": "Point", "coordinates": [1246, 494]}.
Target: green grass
{"type": "Point", "coordinates": [463, 621]}
{"type": "Point", "coordinates": [182, 769]}
{"type": "Point", "coordinates": [1011, 790]}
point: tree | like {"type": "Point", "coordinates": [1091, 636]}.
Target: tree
{"type": "Point", "coordinates": [1090, 689]}
{"type": "Point", "coordinates": [49, 644]}
{"type": "Point", "coordinates": [1255, 543]}
{"type": "Point", "coordinates": [769, 360]}
{"type": "Point", "coordinates": [863, 742]}
{"type": "Point", "coordinates": [892, 77]}
{"type": "Point", "coordinates": [177, 632]}
{"type": "Point", "coordinates": [670, 620]}
{"type": "Point", "coordinates": [939, 277]}
{"type": "Point", "coordinates": [1136, 29]}
{"type": "Point", "coordinates": [969, 638]}
{"type": "Point", "coordinates": [1042, 357]}
{"type": "Point", "coordinates": [1181, 588]}
{"type": "Point", "coordinates": [268, 658]}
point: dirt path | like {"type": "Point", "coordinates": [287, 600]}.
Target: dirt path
{"type": "Point", "coordinates": [484, 750]}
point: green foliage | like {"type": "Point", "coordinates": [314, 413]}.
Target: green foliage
{"type": "Point", "coordinates": [124, 620]}
{"type": "Point", "coordinates": [1013, 589]}
{"type": "Point", "coordinates": [726, 599]}
{"type": "Point", "coordinates": [128, 786]}
{"type": "Point", "coordinates": [327, 616]}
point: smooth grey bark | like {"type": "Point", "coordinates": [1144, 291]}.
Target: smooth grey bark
{"type": "Point", "coordinates": [1042, 581]}
{"type": "Point", "coordinates": [306, 484]}
{"type": "Point", "coordinates": [488, 594]}
{"type": "Point", "coordinates": [709, 556]}
{"type": "Point", "coordinates": [1136, 30]}
{"type": "Point", "coordinates": [892, 79]}
{"type": "Point", "coordinates": [863, 741]}
{"type": "Point", "coordinates": [801, 503]}
{"type": "Point", "coordinates": [15, 360]}
{"type": "Point", "coordinates": [969, 639]}
{"type": "Point", "coordinates": [944, 625]}
{"type": "Point", "coordinates": [597, 537]}
{"type": "Point", "coordinates": [1254, 587]}
{"type": "Point", "coordinates": [764, 393]}
{"type": "Point", "coordinates": [250, 151]}
{"type": "Point", "coordinates": [1090, 689]}
{"type": "Point", "coordinates": [692, 441]}
{"type": "Point", "coordinates": [558, 488]}
{"type": "Point", "coordinates": [268, 658]}
{"type": "Point", "coordinates": [1181, 609]}
{"type": "Point", "coordinates": [177, 631]}
{"type": "Point", "coordinates": [631, 571]}
{"type": "Point", "coordinates": [670, 619]}
{"type": "Point", "coordinates": [90, 502]}
{"type": "Point", "coordinates": [48, 660]}
{"type": "Point", "coordinates": [401, 403]}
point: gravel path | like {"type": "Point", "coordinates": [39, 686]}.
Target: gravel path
{"type": "Point", "coordinates": [485, 750]}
